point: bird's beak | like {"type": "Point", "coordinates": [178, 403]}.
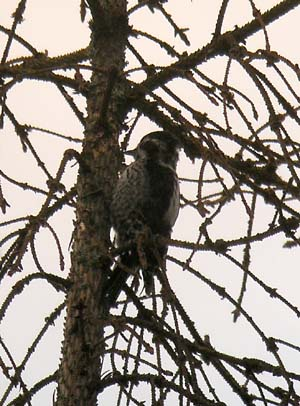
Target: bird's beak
{"type": "Point", "coordinates": [131, 152]}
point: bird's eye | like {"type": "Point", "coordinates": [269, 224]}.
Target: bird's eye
{"type": "Point", "coordinates": [150, 147]}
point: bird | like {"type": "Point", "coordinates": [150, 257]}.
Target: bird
{"type": "Point", "coordinates": [145, 205]}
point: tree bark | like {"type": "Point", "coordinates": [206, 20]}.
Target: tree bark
{"type": "Point", "coordinates": [83, 346]}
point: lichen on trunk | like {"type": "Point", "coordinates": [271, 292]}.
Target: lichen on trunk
{"type": "Point", "coordinates": [98, 166]}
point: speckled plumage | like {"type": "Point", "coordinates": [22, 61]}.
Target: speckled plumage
{"type": "Point", "coordinates": [146, 198]}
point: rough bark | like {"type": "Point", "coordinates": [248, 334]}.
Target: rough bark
{"type": "Point", "coordinates": [83, 346]}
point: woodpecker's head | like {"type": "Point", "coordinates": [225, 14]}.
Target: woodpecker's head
{"type": "Point", "coordinates": [160, 146]}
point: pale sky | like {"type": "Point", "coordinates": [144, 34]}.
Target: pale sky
{"type": "Point", "coordinates": [55, 26]}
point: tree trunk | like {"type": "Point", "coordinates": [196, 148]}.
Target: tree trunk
{"type": "Point", "coordinates": [83, 346]}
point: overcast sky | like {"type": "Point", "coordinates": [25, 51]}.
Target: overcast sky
{"type": "Point", "coordinates": [55, 27]}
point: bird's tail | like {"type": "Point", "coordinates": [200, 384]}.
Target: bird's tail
{"type": "Point", "coordinates": [115, 284]}
{"type": "Point", "coordinates": [148, 261]}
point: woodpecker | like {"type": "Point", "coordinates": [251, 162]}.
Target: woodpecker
{"type": "Point", "coordinates": [145, 205]}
